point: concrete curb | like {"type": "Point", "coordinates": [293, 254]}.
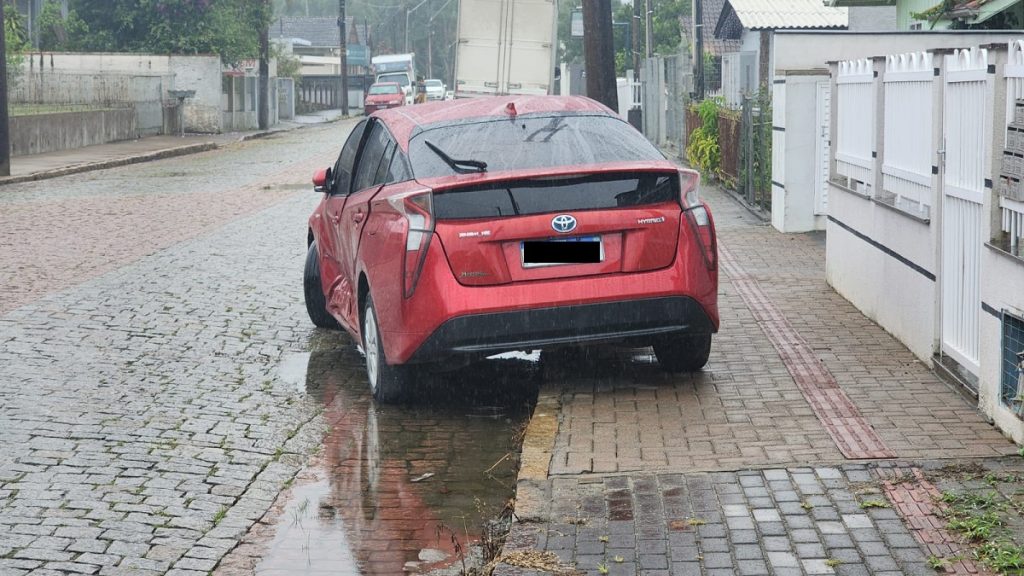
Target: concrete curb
{"type": "Point", "coordinates": [113, 163]}
{"type": "Point", "coordinates": [532, 498]}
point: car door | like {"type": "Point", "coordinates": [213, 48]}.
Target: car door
{"type": "Point", "coordinates": [339, 188]}
{"type": "Point", "coordinates": [365, 184]}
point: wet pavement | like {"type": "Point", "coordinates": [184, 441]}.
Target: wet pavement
{"type": "Point", "coordinates": [396, 487]}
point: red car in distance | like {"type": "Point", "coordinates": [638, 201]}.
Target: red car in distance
{"type": "Point", "coordinates": [382, 96]}
{"type": "Point", "coordinates": [472, 227]}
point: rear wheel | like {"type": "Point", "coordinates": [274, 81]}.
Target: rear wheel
{"type": "Point", "coordinates": [316, 303]}
{"type": "Point", "coordinates": [388, 383]}
{"type": "Point", "coordinates": [683, 352]}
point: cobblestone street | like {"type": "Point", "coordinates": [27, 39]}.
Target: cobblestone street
{"type": "Point", "coordinates": [143, 427]}
{"type": "Point", "coordinates": [166, 407]}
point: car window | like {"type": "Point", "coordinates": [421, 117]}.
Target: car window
{"type": "Point", "coordinates": [399, 170]}
{"type": "Point", "coordinates": [342, 174]}
{"type": "Point", "coordinates": [388, 89]}
{"type": "Point", "coordinates": [385, 163]}
{"type": "Point", "coordinates": [369, 158]}
{"type": "Point", "coordinates": [531, 141]}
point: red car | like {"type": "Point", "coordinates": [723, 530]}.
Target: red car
{"type": "Point", "coordinates": [383, 95]}
{"type": "Point", "coordinates": [479, 226]}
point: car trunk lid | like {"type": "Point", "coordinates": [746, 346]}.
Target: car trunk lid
{"type": "Point", "coordinates": [559, 227]}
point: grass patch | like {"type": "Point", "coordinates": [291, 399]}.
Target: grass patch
{"type": "Point", "coordinates": [867, 504]}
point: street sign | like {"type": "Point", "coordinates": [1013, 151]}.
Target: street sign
{"type": "Point", "coordinates": [358, 55]}
{"type": "Point", "coordinates": [576, 23]}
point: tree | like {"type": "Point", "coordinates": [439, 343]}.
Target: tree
{"type": "Point", "coordinates": [15, 40]}
{"type": "Point", "coordinates": [229, 28]}
{"type": "Point", "coordinates": [665, 19]}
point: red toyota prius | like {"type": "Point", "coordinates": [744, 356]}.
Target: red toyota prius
{"type": "Point", "coordinates": [473, 227]}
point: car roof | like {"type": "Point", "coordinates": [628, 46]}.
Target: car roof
{"type": "Point", "coordinates": [404, 122]}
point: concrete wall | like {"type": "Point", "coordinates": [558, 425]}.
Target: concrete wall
{"type": "Point", "coordinates": [40, 133]}
{"type": "Point", "coordinates": [898, 292]}
{"type": "Point", "coordinates": [889, 264]}
{"type": "Point", "coordinates": [141, 80]}
{"type": "Point", "coordinates": [1004, 291]}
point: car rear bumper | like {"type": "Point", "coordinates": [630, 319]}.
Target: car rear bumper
{"type": "Point", "coordinates": [495, 332]}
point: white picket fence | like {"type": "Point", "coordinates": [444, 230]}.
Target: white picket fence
{"type": "Point", "coordinates": [907, 166]}
{"type": "Point", "coordinates": [855, 120]}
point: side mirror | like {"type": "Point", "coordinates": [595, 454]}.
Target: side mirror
{"type": "Point", "coordinates": [320, 180]}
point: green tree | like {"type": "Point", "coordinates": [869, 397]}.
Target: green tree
{"type": "Point", "coordinates": [229, 28]}
{"type": "Point", "coordinates": [16, 40]}
{"type": "Point", "coordinates": [665, 25]}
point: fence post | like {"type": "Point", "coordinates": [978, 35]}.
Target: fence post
{"type": "Point", "coordinates": [747, 149]}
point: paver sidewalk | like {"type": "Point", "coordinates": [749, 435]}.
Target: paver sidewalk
{"type": "Point", "coordinates": [763, 462]}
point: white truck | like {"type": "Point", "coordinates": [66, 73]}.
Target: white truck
{"type": "Point", "coordinates": [400, 68]}
{"type": "Point", "coordinates": [506, 47]}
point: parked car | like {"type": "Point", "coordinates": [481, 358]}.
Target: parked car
{"type": "Point", "coordinates": [470, 228]}
{"type": "Point", "coordinates": [383, 95]}
{"type": "Point", "coordinates": [435, 89]}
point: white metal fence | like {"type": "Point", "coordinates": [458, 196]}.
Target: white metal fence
{"type": "Point", "coordinates": [855, 120]}
{"type": "Point", "coordinates": [1013, 223]}
{"type": "Point", "coordinates": [907, 165]}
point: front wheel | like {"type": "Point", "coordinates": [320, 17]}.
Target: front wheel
{"type": "Point", "coordinates": [388, 383]}
{"type": "Point", "coordinates": [313, 290]}
{"type": "Point", "coordinates": [683, 352]}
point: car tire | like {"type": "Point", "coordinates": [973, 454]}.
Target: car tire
{"type": "Point", "coordinates": [683, 352]}
{"type": "Point", "coordinates": [388, 383]}
{"type": "Point", "coordinates": [312, 288]}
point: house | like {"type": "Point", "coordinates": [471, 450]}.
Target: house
{"type": "Point", "coordinates": [940, 15]}
{"type": "Point", "coordinates": [714, 48]}
{"type": "Point", "coordinates": [316, 43]}
{"type": "Point", "coordinates": [925, 220]}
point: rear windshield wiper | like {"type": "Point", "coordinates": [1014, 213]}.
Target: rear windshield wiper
{"type": "Point", "coordinates": [460, 166]}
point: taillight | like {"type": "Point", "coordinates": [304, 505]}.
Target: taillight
{"type": "Point", "coordinates": [418, 210]}
{"type": "Point", "coordinates": [689, 188]}
{"type": "Point", "coordinates": [704, 228]}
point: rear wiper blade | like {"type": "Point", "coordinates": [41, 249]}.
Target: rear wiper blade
{"type": "Point", "coordinates": [460, 166]}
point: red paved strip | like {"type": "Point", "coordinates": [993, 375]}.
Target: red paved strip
{"type": "Point", "coordinates": [853, 435]}
{"type": "Point", "coordinates": [916, 500]}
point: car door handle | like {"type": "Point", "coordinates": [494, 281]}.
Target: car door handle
{"type": "Point", "coordinates": [358, 217]}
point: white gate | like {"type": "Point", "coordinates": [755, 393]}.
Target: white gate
{"type": "Point", "coordinates": [821, 147]}
{"type": "Point", "coordinates": [966, 133]}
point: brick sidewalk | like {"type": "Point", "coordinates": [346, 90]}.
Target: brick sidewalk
{"type": "Point", "coordinates": [767, 461]}
{"type": "Point", "coordinates": [746, 408]}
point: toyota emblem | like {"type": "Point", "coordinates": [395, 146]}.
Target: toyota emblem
{"type": "Point", "coordinates": [563, 223]}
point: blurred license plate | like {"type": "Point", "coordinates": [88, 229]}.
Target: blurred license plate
{"type": "Point", "coordinates": [555, 251]}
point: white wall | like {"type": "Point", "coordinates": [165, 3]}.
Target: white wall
{"type": "Point", "coordinates": [899, 298]}
{"type": "Point", "coordinates": [798, 154]}
{"type": "Point", "coordinates": [199, 73]}
{"type": "Point", "coordinates": [1002, 288]}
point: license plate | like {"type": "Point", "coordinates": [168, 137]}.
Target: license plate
{"type": "Point", "coordinates": [561, 251]}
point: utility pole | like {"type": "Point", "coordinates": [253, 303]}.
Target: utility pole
{"type": "Point", "coordinates": [698, 52]}
{"type": "Point", "coordinates": [263, 114]}
{"type": "Point", "coordinates": [636, 39]}
{"type": "Point", "coordinates": [599, 48]}
{"type": "Point", "coordinates": [648, 27]}
{"type": "Point", "coordinates": [5, 139]}
{"type": "Point", "coordinates": [343, 97]}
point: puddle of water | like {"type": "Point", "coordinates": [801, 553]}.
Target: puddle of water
{"type": "Point", "coordinates": [398, 480]}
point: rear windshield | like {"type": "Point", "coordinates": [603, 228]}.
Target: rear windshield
{"type": "Point", "coordinates": [401, 79]}
{"type": "Point", "coordinates": [393, 89]}
{"type": "Point", "coordinates": [542, 195]}
{"type": "Point", "coordinates": [434, 83]}
{"type": "Point", "coordinates": [531, 142]}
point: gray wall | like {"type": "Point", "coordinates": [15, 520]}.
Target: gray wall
{"type": "Point", "coordinates": [872, 19]}
{"type": "Point", "coordinates": [66, 130]}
